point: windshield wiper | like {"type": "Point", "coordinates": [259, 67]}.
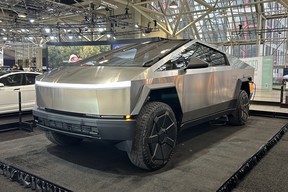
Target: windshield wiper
{"type": "Point", "coordinates": [150, 62]}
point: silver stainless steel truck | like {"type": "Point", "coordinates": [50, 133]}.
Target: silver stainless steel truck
{"type": "Point", "coordinates": [140, 96]}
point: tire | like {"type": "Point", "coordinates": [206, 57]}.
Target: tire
{"type": "Point", "coordinates": [61, 139]}
{"type": "Point", "coordinates": [155, 137]}
{"type": "Point", "coordinates": [241, 114]}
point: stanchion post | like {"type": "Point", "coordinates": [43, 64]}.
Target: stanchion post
{"type": "Point", "coordinates": [22, 125]}
{"type": "Point", "coordinates": [20, 109]}
{"type": "Point", "coordinates": [285, 93]}
{"type": "Point", "coordinates": [281, 94]}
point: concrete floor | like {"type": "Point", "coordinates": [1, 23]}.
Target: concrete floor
{"type": "Point", "coordinates": [205, 157]}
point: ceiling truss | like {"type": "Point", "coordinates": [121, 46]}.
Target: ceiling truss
{"type": "Point", "coordinates": [90, 20]}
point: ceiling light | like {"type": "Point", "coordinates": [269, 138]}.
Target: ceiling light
{"type": "Point", "coordinates": [136, 25]}
{"type": "Point", "coordinates": [108, 35]}
{"type": "Point", "coordinates": [22, 15]}
{"type": "Point", "coordinates": [173, 5]}
{"type": "Point", "coordinates": [4, 38]}
{"type": "Point", "coordinates": [31, 20]}
{"type": "Point", "coordinates": [104, 61]}
{"type": "Point", "coordinates": [47, 30]}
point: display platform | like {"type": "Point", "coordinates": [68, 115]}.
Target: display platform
{"type": "Point", "coordinates": [14, 121]}
{"type": "Point", "coordinates": [270, 174]}
{"type": "Point", "coordinates": [205, 158]}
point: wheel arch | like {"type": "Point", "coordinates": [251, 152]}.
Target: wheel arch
{"type": "Point", "coordinates": [243, 84]}
{"type": "Point", "coordinates": [166, 93]}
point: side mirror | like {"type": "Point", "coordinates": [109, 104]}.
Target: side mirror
{"type": "Point", "coordinates": [196, 66]}
{"type": "Point", "coordinates": [196, 63]}
{"type": "Point", "coordinates": [1, 85]}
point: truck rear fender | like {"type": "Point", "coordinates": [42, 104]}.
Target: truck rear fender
{"type": "Point", "coordinates": [244, 84]}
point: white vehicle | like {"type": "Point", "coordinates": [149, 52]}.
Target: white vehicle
{"type": "Point", "coordinates": [13, 82]}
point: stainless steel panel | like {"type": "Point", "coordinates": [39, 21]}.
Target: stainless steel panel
{"type": "Point", "coordinates": [86, 101]}
{"type": "Point", "coordinates": [91, 75]}
{"type": "Point", "coordinates": [87, 90]}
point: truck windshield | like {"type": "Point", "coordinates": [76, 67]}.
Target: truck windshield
{"type": "Point", "coordinates": [136, 55]}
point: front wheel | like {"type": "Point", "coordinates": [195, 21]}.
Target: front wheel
{"type": "Point", "coordinates": [241, 114]}
{"type": "Point", "coordinates": [61, 139]}
{"type": "Point", "coordinates": [155, 137]}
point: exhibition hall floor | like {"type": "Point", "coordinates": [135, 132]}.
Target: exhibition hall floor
{"type": "Point", "coordinates": [206, 156]}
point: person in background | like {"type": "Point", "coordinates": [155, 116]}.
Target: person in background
{"type": "Point", "coordinates": [15, 67]}
{"type": "Point", "coordinates": [20, 67]}
{"type": "Point", "coordinates": [73, 58]}
{"type": "Point", "coordinates": [32, 69]}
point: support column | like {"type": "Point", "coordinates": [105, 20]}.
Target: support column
{"type": "Point", "coordinates": [1, 56]}
{"type": "Point", "coordinates": [39, 59]}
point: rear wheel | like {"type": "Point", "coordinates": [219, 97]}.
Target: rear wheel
{"type": "Point", "coordinates": [241, 114]}
{"type": "Point", "coordinates": [61, 139]}
{"type": "Point", "coordinates": [155, 137]}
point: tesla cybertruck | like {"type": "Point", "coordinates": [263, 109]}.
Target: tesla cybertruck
{"type": "Point", "coordinates": [140, 96]}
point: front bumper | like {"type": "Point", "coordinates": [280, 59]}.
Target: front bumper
{"type": "Point", "coordinates": [85, 127]}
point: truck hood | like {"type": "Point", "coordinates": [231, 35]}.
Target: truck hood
{"type": "Point", "coordinates": [91, 75]}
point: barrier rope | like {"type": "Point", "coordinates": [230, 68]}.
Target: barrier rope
{"type": "Point", "coordinates": [246, 167]}
{"type": "Point", "coordinates": [29, 180]}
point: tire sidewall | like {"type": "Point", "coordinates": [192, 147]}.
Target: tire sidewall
{"type": "Point", "coordinates": [145, 122]}
{"type": "Point", "coordinates": [241, 114]}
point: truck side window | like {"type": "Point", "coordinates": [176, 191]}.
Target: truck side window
{"type": "Point", "coordinates": [202, 52]}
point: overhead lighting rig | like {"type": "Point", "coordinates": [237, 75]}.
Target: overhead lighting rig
{"type": "Point", "coordinates": [94, 23]}
{"type": "Point", "coordinates": [114, 25]}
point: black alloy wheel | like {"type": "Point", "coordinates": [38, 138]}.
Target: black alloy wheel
{"type": "Point", "coordinates": [241, 114]}
{"type": "Point", "coordinates": [155, 138]}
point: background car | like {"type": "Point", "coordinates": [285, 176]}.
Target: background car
{"type": "Point", "coordinates": [5, 68]}
{"type": "Point", "coordinates": [11, 82]}
{"type": "Point", "coordinates": [285, 78]}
